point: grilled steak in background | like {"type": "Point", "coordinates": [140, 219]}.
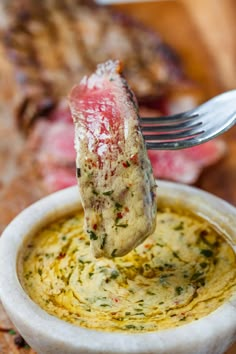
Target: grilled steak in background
{"type": "Point", "coordinates": [48, 46]}
{"type": "Point", "coordinates": [53, 44]}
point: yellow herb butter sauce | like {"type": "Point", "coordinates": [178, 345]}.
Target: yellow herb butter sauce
{"type": "Point", "coordinates": [181, 273]}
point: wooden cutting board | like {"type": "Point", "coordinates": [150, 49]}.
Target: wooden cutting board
{"type": "Point", "coordinates": [203, 33]}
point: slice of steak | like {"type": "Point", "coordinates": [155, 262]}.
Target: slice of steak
{"type": "Point", "coordinates": [186, 165]}
{"type": "Point", "coordinates": [206, 154]}
{"type": "Point", "coordinates": [115, 177]}
{"type": "Point", "coordinates": [53, 44]}
{"type": "Point", "coordinates": [52, 143]}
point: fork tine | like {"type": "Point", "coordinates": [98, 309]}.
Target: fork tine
{"type": "Point", "coordinates": [168, 119]}
{"type": "Point", "coordinates": [191, 128]}
{"type": "Point", "coordinates": [170, 128]}
{"type": "Point", "coordinates": [173, 136]}
{"type": "Point", "coordinates": [173, 145]}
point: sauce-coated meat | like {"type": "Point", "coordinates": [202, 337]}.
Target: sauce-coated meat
{"type": "Point", "coordinates": [115, 176]}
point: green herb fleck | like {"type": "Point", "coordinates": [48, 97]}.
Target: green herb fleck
{"type": "Point", "coordinates": [114, 274]}
{"type": "Point", "coordinates": [163, 278]}
{"type": "Point", "coordinates": [130, 326]}
{"type": "Point", "coordinates": [180, 226]}
{"type": "Point", "coordinates": [12, 332]}
{"type": "Point", "coordinates": [104, 236]}
{"type": "Point", "coordinates": [29, 274]}
{"type": "Point", "coordinates": [122, 225]}
{"type": "Point", "coordinates": [114, 252]}
{"type": "Point", "coordinates": [92, 235]}
{"type": "Point", "coordinates": [94, 192]}
{"type": "Point", "coordinates": [179, 290]}
{"type": "Point", "coordinates": [169, 265]}
{"type": "Point", "coordinates": [40, 271]}
{"type": "Point", "coordinates": [118, 205]}
{"type": "Point", "coordinates": [175, 254]}
{"type": "Point", "coordinates": [202, 282]}
{"type": "Point", "coordinates": [159, 244]}
{"type": "Point", "coordinates": [108, 192]}
{"type": "Point", "coordinates": [150, 293]}
{"type": "Point", "coordinates": [207, 253]}
{"type": "Point", "coordinates": [203, 265]}
{"type": "Point", "coordinates": [196, 275]}
{"type": "Point", "coordinates": [127, 313]}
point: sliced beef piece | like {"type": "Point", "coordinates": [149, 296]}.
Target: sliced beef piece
{"type": "Point", "coordinates": [56, 177]}
{"type": "Point", "coordinates": [53, 143]}
{"type": "Point", "coordinates": [186, 165]}
{"type": "Point", "coordinates": [115, 177]}
{"type": "Point", "coordinates": [53, 44]}
{"type": "Point", "coordinates": [206, 154]}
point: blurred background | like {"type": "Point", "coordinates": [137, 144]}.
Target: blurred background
{"type": "Point", "coordinates": [176, 54]}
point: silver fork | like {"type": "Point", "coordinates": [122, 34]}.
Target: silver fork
{"type": "Point", "coordinates": [193, 127]}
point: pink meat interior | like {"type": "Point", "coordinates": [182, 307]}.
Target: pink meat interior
{"type": "Point", "coordinates": [101, 118]}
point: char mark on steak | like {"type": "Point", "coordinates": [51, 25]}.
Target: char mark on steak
{"type": "Point", "coordinates": [53, 44]}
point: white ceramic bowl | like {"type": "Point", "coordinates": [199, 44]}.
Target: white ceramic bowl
{"type": "Point", "coordinates": [47, 334]}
